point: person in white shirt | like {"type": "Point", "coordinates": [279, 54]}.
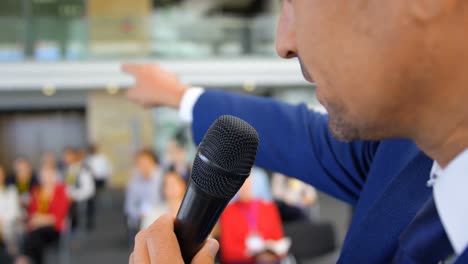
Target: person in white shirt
{"type": "Point", "coordinates": [79, 182]}
{"type": "Point", "coordinates": [144, 189]}
{"type": "Point", "coordinates": [10, 212]}
{"type": "Point", "coordinates": [100, 166]}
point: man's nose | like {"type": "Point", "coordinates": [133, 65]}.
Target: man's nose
{"type": "Point", "coordinates": [286, 45]}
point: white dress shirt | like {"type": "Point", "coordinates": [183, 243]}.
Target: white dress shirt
{"type": "Point", "coordinates": [451, 199]}
{"type": "Point", "coordinates": [188, 102]}
{"type": "Point", "coordinates": [84, 189]}
{"type": "Point", "coordinates": [100, 166]}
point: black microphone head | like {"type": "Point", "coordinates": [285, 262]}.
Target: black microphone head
{"type": "Point", "coordinates": [225, 157]}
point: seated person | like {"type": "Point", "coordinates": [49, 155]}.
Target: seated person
{"type": "Point", "coordinates": [174, 187]}
{"type": "Point", "coordinates": [144, 189]}
{"type": "Point", "coordinates": [296, 200]}
{"type": "Point", "coordinates": [251, 230]}
{"type": "Point", "coordinates": [47, 215]}
{"type": "Point", "coordinates": [23, 179]}
{"type": "Point", "coordinates": [10, 213]}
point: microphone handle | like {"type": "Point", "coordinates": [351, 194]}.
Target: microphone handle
{"type": "Point", "coordinates": [197, 216]}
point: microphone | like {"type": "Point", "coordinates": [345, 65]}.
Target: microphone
{"type": "Point", "coordinates": [222, 164]}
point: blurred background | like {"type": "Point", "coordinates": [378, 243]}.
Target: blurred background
{"type": "Point", "coordinates": [64, 116]}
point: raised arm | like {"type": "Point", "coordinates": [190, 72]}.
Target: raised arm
{"type": "Point", "coordinates": [294, 140]}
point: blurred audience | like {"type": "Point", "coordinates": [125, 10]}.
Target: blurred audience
{"type": "Point", "coordinates": [49, 159]}
{"type": "Point", "coordinates": [144, 189]}
{"type": "Point", "coordinates": [47, 214]}
{"type": "Point", "coordinates": [80, 185]}
{"type": "Point", "coordinates": [23, 179]}
{"type": "Point", "coordinates": [296, 200]}
{"type": "Point", "coordinates": [10, 214]}
{"type": "Point", "coordinates": [251, 230]}
{"type": "Point", "coordinates": [174, 186]}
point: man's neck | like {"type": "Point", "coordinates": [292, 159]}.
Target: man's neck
{"type": "Point", "coordinates": [439, 125]}
{"type": "Point", "coordinates": [446, 148]}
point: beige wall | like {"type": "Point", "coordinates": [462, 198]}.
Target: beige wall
{"type": "Point", "coordinates": [118, 7]}
{"type": "Point", "coordinates": [120, 128]}
{"type": "Point", "coordinates": [119, 27]}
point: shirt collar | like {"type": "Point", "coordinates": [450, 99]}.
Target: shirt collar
{"type": "Point", "coordinates": [451, 199]}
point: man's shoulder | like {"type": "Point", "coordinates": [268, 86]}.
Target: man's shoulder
{"type": "Point", "coordinates": [392, 147]}
{"type": "Point", "coordinates": [393, 156]}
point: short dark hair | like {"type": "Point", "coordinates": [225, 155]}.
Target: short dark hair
{"type": "Point", "coordinates": [148, 153]}
{"type": "Point", "coordinates": [93, 149]}
{"type": "Point", "coordinates": [180, 137]}
{"type": "Point", "coordinates": [70, 149]}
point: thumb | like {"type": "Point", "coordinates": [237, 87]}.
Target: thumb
{"type": "Point", "coordinates": [132, 69]}
{"type": "Point", "coordinates": [207, 254]}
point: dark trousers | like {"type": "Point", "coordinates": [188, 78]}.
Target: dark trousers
{"type": "Point", "coordinates": [74, 214]}
{"type": "Point", "coordinates": [91, 212]}
{"type": "Point", "coordinates": [36, 242]}
{"type": "Point", "coordinates": [4, 256]}
{"type": "Point", "coordinates": [290, 213]}
{"type": "Point", "coordinates": [91, 204]}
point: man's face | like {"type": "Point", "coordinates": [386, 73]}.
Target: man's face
{"type": "Point", "coordinates": [23, 169]}
{"type": "Point", "coordinates": [358, 53]}
{"type": "Point", "coordinates": [145, 164]}
{"type": "Point", "coordinates": [69, 157]}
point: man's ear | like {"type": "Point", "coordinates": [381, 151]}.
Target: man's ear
{"type": "Point", "coordinates": [425, 10]}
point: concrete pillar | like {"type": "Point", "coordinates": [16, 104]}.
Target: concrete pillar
{"type": "Point", "coordinates": [120, 128]}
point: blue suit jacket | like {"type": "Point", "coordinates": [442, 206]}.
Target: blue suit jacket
{"type": "Point", "coordinates": [384, 180]}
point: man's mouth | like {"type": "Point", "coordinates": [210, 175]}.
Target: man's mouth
{"type": "Point", "coordinates": [305, 72]}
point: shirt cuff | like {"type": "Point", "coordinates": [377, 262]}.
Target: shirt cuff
{"type": "Point", "coordinates": [188, 102]}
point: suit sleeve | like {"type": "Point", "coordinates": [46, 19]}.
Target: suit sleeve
{"type": "Point", "coordinates": [294, 140]}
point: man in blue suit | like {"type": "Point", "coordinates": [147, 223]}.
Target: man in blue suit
{"type": "Point", "coordinates": [384, 70]}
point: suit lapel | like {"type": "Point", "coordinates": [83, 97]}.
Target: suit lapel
{"type": "Point", "coordinates": [374, 236]}
{"type": "Point", "coordinates": [463, 259]}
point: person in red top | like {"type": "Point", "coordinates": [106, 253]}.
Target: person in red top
{"type": "Point", "coordinates": [246, 226]}
{"type": "Point", "coordinates": [47, 214]}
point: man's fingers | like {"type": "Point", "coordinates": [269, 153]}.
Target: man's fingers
{"type": "Point", "coordinates": [158, 244]}
{"type": "Point", "coordinates": [136, 98]}
{"type": "Point", "coordinates": [132, 95]}
{"type": "Point", "coordinates": [162, 241]}
{"type": "Point", "coordinates": [132, 69]}
{"type": "Point", "coordinates": [207, 254]}
{"type": "Point", "coordinates": [140, 253]}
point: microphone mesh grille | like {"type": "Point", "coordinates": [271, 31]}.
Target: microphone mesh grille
{"type": "Point", "coordinates": [231, 144]}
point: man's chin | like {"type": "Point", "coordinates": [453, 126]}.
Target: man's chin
{"type": "Point", "coordinates": [342, 130]}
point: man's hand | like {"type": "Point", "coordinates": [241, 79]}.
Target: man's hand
{"type": "Point", "coordinates": [158, 245]}
{"type": "Point", "coordinates": [154, 86]}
